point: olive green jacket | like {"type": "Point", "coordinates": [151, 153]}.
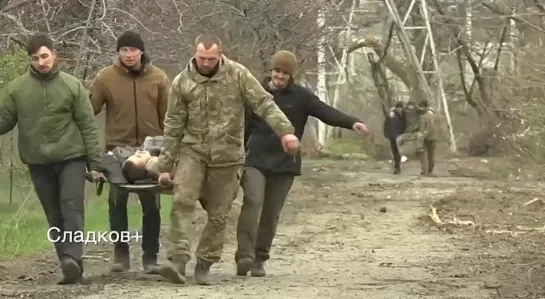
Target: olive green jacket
{"type": "Point", "coordinates": [54, 117]}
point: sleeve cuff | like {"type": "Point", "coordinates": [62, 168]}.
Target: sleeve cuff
{"type": "Point", "coordinates": [350, 123]}
{"type": "Point", "coordinates": [94, 166]}
{"type": "Point", "coordinates": [285, 130]}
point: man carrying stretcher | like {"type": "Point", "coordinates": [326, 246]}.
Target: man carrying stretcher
{"type": "Point", "coordinates": [134, 94]}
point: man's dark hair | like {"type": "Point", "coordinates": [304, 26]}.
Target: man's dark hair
{"type": "Point", "coordinates": [38, 40]}
{"type": "Point", "coordinates": [399, 104]}
{"type": "Point", "coordinates": [132, 173]}
{"type": "Point", "coordinates": [423, 103]}
{"type": "Point", "coordinates": [208, 40]}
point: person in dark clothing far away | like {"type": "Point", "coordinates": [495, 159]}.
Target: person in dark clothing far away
{"type": "Point", "coordinates": [394, 125]}
{"type": "Point", "coordinates": [58, 140]}
{"type": "Point", "coordinates": [136, 96]}
{"type": "Point", "coordinates": [269, 171]}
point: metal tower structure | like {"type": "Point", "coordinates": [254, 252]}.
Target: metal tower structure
{"type": "Point", "coordinates": [416, 62]}
{"type": "Point", "coordinates": [357, 8]}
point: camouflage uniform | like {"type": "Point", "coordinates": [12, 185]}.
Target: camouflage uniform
{"type": "Point", "coordinates": [204, 133]}
{"type": "Point", "coordinates": [428, 128]}
{"type": "Point", "coordinates": [411, 142]}
{"type": "Point", "coordinates": [153, 142]}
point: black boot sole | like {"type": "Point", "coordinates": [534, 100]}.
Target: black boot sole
{"type": "Point", "coordinates": [171, 274]}
{"type": "Point", "coordinates": [71, 272]}
{"type": "Point", "coordinates": [243, 266]}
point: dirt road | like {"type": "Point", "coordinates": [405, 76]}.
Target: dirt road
{"type": "Point", "coordinates": [353, 230]}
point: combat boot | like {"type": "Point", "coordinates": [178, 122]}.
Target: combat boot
{"type": "Point", "coordinates": [397, 166]}
{"type": "Point", "coordinates": [150, 264]}
{"type": "Point", "coordinates": [202, 272]}
{"type": "Point", "coordinates": [258, 269]}
{"type": "Point", "coordinates": [173, 271]}
{"type": "Point", "coordinates": [244, 265]}
{"type": "Point", "coordinates": [430, 171]}
{"type": "Point", "coordinates": [71, 271]}
{"type": "Point", "coordinates": [122, 259]}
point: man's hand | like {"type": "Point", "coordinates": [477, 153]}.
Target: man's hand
{"type": "Point", "coordinates": [290, 143]}
{"type": "Point", "coordinates": [360, 128]}
{"type": "Point", "coordinates": [95, 176]}
{"type": "Point", "coordinates": [165, 179]}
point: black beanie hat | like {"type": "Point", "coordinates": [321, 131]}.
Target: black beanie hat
{"type": "Point", "coordinates": [130, 39]}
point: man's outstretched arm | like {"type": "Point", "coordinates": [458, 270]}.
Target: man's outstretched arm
{"type": "Point", "coordinates": [330, 115]}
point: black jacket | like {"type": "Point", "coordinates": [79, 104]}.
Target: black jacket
{"type": "Point", "coordinates": [394, 127]}
{"type": "Point", "coordinates": [263, 147]}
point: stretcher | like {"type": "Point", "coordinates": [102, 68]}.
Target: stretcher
{"type": "Point", "coordinates": [134, 188]}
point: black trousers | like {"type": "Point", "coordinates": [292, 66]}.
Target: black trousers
{"type": "Point", "coordinates": [395, 153]}
{"type": "Point", "coordinates": [60, 188]}
{"type": "Point", "coordinates": [264, 197]}
{"type": "Point", "coordinates": [151, 219]}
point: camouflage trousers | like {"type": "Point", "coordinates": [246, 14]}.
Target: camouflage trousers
{"type": "Point", "coordinates": [410, 144]}
{"type": "Point", "coordinates": [427, 157]}
{"type": "Point", "coordinates": [218, 187]}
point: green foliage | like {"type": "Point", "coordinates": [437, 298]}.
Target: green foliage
{"type": "Point", "coordinates": [12, 65]}
{"type": "Point", "coordinates": [23, 226]}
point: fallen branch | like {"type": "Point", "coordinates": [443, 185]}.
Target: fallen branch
{"type": "Point", "coordinates": [454, 221]}
{"type": "Point", "coordinates": [534, 201]}
{"type": "Point", "coordinates": [94, 257]}
{"type": "Point", "coordinates": [520, 230]}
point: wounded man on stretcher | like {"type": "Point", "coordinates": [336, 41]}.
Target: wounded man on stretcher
{"type": "Point", "coordinates": [135, 168]}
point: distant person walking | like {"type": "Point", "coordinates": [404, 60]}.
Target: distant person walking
{"type": "Point", "coordinates": [429, 129]}
{"type": "Point", "coordinates": [394, 125]}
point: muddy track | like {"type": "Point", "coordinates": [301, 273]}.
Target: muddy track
{"type": "Point", "coordinates": [349, 230]}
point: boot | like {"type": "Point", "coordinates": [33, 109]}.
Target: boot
{"type": "Point", "coordinates": [397, 166]}
{"type": "Point", "coordinates": [150, 264]}
{"type": "Point", "coordinates": [430, 171]}
{"type": "Point", "coordinates": [71, 271]}
{"type": "Point", "coordinates": [122, 259]}
{"type": "Point", "coordinates": [258, 269]}
{"type": "Point", "coordinates": [173, 271]}
{"type": "Point", "coordinates": [202, 272]}
{"type": "Point", "coordinates": [244, 265]}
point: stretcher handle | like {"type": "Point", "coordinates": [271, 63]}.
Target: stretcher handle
{"type": "Point", "coordinates": [99, 184]}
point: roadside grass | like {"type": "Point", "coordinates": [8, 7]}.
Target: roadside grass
{"type": "Point", "coordinates": [23, 226]}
